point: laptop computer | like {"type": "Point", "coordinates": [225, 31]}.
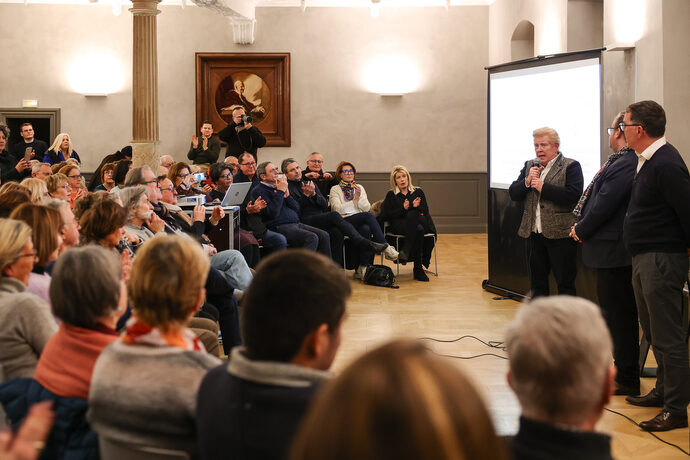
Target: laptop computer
{"type": "Point", "coordinates": [236, 194]}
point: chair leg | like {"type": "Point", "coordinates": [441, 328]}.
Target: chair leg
{"type": "Point", "coordinates": [344, 260]}
{"type": "Point", "coordinates": [435, 260]}
{"type": "Point", "coordinates": [397, 248]}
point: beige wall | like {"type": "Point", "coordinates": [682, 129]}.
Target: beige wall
{"type": "Point", "coordinates": [585, 24]}
{"type": "Point", "coordinates": [439, 127]}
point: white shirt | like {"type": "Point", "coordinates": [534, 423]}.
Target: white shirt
{"type": "Point", "coordinates": [649, 152]}
{"type": "Point", "coordinates": [544, 172]}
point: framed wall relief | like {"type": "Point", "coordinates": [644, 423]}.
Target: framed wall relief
{"type": "Point", "coordinates": [258, 81]}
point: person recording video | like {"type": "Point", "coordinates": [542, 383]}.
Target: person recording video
{"type": "Point", "coordinates": [240, 135]}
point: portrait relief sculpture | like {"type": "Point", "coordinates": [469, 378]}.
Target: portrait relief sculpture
{"type": "Point", "coordinates": [245, 89]}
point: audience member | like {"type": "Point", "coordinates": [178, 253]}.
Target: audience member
{"type": "Point", "coordinates": [45, 224]}
{"type": "Point", "coordinates": [350, 201]}
{"type": "Point", "coordinates": [12, 195]}
{"type": "Point", "coordinates": [233, 163]}
{"type": "Point", "coordinates": [281, 213]}
{"type": "Point", "coordinates": [38, 147]}
{"type": "Point", "coordinates": [181, 177]}
{"type": "Point", "coordinates": [103, 224]}
{"type": "Point", "coordinates": [41, 171]}
{"type": "Point", "coordinates": [122, 167]}
{"type": "Point", "coordinates": [107, 177]}
{"type": "Point", "coordinates": [88, 309]}
{"type": "Point", "coordinates": [167, 161]}
{"type": "Point", "coordinates": [58, 186]}
{"type": "Point", "coordinates": [314, 211]}
{"type": "Point", "coordinates": [70, 226]}
{"type": "Point", "coordinates": [253, 405]}
{"type": "Point", "coordinates": [240, 135]}
{"type": "Point", "coordinates": [204, 149]}
{"type": "Point", "coordinates": [550, 186]}
{"type": "Point", "coordinates": [407, 212]}
{"type": "Point", "coordinates": [25, 320]}
{"type": "Point", "coordinates": [75, 181]}
{"type": "Point", "coordinates": [399, 401]}
{"type": "Point", "coordinates": [61, 150]}
{"type": "Point", "coordinates": [12, 168]}
{"type": "Point", "coordinates": [559, 352]}
{"type": "Point", "coordinates": [29, 439]}
{"type": "Point", "coordinates": [144, 385]}
{"type": "Point", "coordinates": [656, 231]}
{"type": "Point", "coordinates": [124, 154]}
{"type": "Point", "coordinates": [315, 172]}
{"type": "Point", "coordinates": [37, 188]}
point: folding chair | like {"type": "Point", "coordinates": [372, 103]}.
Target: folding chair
{"type": "Point", "coordinates": [398, 237]}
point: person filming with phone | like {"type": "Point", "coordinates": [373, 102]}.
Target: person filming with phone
{"type": "Point", "coordinates": [12, 168]}
{"type": "Point", "coordinates": [240, 135]}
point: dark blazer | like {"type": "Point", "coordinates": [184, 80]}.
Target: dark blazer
{"type": "Point", "coordinates": [559, 195]}
{"type": "Point", "coordinates": [247, 140]}
{"type": "Point", "coordinates": [309, 205]}
{"type": "Point", "coordinates": [601, 226]}
{"type": "Point", "coordinates": [393, 210]}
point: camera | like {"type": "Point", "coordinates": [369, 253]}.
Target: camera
{"type": "Point", "coordinates": [246, 119]}
{"type": "Point", "coordinates": [199, 177]}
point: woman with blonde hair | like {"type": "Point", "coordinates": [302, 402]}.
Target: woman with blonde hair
{"type": "Point", "coordinates": [400, 402]}
{"type": "Point", "coordinates": [144, 385]}
{"type": "Point", "coordinates": [58, 186]}
{"type": "Point", "coordinates": [25, 320]}
{"type": "Point", "coordinates": [60, 150]}
{"type": "Point", "coordinates": [75, 181]}
{"type": "Point", "coordinates": [407, 212]}
{"type": "Point", "coordinates": [37, 187]}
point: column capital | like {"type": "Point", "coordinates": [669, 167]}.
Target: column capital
{"type": "Point", "coordinates": [145, 7]}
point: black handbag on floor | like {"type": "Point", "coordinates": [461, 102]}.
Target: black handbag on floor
{"type": "Point", "coordinates": [379, 275]}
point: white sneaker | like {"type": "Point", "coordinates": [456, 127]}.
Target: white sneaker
{"type": "Point", "coordinates": [359, 273]}
{"type": "Point", "coordinates": [390, 253]}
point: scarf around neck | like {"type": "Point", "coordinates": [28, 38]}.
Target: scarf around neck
{"type": "Point", "coordinates": [348, 189]}
{"type": "Point", "coordinates": [140, 333]}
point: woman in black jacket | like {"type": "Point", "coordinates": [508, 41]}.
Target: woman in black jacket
{"type": "Point", "coordinates": [406, 211]}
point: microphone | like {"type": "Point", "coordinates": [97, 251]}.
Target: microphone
{"type": "Point", "coordinates": [535, 162]}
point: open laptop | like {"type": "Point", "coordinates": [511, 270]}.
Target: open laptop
{"type": "Point", "coordinates": [236, 194]}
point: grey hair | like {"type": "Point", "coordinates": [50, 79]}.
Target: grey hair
{"type": "Point", "coordinates": [551, 133]}
{"type": "Point", "coordinates": [130, 196]}
{"type": "Point", "coordinates": [286, 162]}
{"type": "Point", "coordinates": [261, 169]}
{"type": "Point", "coordinates": [37, 167]}
{"type": "Point", "coordinates": [80, 301]}
{"type": "Point", "coordinates": [56, 204]}
{"type": "Point", "coordinates": [135, 176]}
{"type": "Point", "coordinates": [559, 350]}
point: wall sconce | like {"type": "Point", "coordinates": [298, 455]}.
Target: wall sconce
{"type": "Point", "coordinates": [374, 9]}
{"type": "Point", "coordinates": [96, 75]}
{"type": "Point", "coordinates": [628, 24]}
{"type": "Point", "coordinates": [391, 75]}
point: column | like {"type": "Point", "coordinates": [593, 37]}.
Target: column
{"type": "Point", "coordinates": [145, 84]}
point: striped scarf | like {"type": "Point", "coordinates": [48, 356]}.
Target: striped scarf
{"type": "Point", "coordinates": [585, 196]}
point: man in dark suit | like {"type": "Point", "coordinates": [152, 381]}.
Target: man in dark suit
{"type": "Point", "coordinates": [601, 211]}
{"type": "Point", "coordinates": [550, 186]}
{"type": "Point", "coordinates": [656, 231]}
{"type": "Point", "coordinates": [30, 142]}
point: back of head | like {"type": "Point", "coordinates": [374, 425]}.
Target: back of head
{"type": "Point", "coordinates": [102, 219]}
{"type": "Point", "coordinates": [85, 286]}
{"type": "Point", "coordinates": [559, 350]}
{"type": "Point", "coordinates": [86, 202]}
{"type": "Point", "coordinates": [398, 401]}
{"type": "Point", "coordinates": [11, 196]}
{"type": "Point", "coordinates": [293, 292]}
{"type": "Point", "coordinates": [46, 224]}
{"type": "Point", "coordinates": [37, 187]}
{"type": "Point", "coordinates": [167, 277]}
{"type": "Point", "coordinates": [650, 115]}
{"type": "Point", "coordinates": [121, 170]}
{"type": "Point", "coordinates": [14, 235]}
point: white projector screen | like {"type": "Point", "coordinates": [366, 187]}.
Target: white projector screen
{"type": "Point", "coordinates": [564, 96]}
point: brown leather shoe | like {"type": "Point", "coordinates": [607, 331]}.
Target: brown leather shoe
{"type": "Point", "coordinates": [665, 421]}
{"type": "Point", "coordinates": [651, 399]}
{"type": "Point", "coordinates": [619, 389]}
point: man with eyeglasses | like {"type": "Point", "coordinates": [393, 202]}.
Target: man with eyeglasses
{"type": "Point", "coordinates": [656, 231]}
{"type": "Point", "coordinates": [314, 172]}
{"type": "Point", "coordinates": [550, 186]}
{"type": "Point", "coordinates": [601, 211]}
{"type": "Point", "coordinates": [240, 135]}
{"type": "Point", "coordinates": [250, 217]}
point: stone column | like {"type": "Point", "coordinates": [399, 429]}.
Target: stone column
{"type": "Point", "coordinates": [145, 84]}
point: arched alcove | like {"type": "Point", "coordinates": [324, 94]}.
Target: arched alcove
{"type": "Point", "coordinates": [522, 41]}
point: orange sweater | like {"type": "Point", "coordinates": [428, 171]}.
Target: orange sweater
{"type": "Point", "coordinates": [67, 361]}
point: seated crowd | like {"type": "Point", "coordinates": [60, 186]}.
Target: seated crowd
{"type": "Point", "coordinates": [128, 356]}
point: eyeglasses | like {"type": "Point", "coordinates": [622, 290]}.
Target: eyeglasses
{"type": "Point", "coordinates": [348, 171]}
{"type": "Point", "coordinates": [108, 172]}
{"type": "Point", "coordinates": [623, 125]}
{"type": "Point", "coordinates": [315, 161]}
{"type": "Point", "coordinates": [225, 175]}
{"type": "Point", "coordinates": [31, 254]}
{"type": "Point", "coordinates": [168, 189]}
{"type": "Point", "coordinates": [154, 181]}
{"type": "Point", "coordinates": [75, 177]}
{"type": "Point", "coordinates": [252, 163]}
{"type": "Point", "coordinates": [183, 175]}
{"type": "Point", "coordinates": [66, 186]}
{"type": "Point", "coordinates": [611, 130]}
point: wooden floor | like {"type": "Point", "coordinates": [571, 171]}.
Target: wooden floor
{"type": "Point", "coordinates": [454, 304]}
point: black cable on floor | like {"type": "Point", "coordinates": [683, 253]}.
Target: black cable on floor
{"type": "Point", "coordinates": [491, 343]}
{"type": "Point", "coordinates": [469, 357]}
{"type": "Point", "coordinates": [657, 437]}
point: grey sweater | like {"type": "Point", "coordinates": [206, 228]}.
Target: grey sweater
{"type": "Point", "coordinates": [26, 324]}
{"type": "Point", "coordinates": [147, 395]}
